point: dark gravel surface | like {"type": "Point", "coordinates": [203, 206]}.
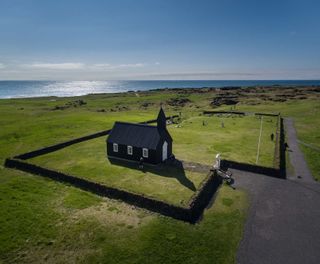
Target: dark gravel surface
{"type": "Point", "coordinates": [283, 224]}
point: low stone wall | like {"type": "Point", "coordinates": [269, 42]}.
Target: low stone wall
{"type": "Point", "coordinates": [189, 214]}
{"type": "Point", "coordinates": [155, 120]}
{"type": "Point", "coordinates": [56, 147]}
{"type": "Point", "coordinates": [204, 194]}
{"type": "Point", "coordinates": [239, 113]}
{"type": "Point", "coordinates": [223, 112]}
{"type": "Point", "coordinates": [251, 168]}
{"type": "Point", "coordinates": [282, 150]}
{"type": "Point", "coordinates": [266, 114]}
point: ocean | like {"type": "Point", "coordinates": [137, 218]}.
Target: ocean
{"type": "Point", "coordinates": [23, 89]}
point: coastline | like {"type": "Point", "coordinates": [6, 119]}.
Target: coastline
{"type": "Point", "coordinates": [66, 89]}
{"type": "Point", "coordinates": [171, 90]}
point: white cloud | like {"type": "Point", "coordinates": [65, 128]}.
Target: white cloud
{"type": "Point", "coordinates": [109, 67]}
{"type": "Point", "coordinates": [102, 65]}
{"type": "Point", "coordinates": [57, 66]}
{"type": "Point", "coordinates": [2, 66]}
{"type": "Point", "coordinates": [136, 65]}
{"type": "Point", "coordinates": [203, 75]}
{"type": "Point", "coordinates": [81, 66]}
{"type": "Point", "coordinates": [157, 63]}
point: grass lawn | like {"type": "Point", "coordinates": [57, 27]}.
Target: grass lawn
{"type": "Point", "coordinates": [237, 140]}
{"type": "Point", "coordinates": [88, 160]}
{"type": "Point", "coordinates": [45, 221]}
{"type": "Point", "coordinates": [306, 115]}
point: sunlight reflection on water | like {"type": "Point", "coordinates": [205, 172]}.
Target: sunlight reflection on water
{"type": "Point", "coordinates": [76, 88]}
{"type": "Point", "coordinates": [18, 89]}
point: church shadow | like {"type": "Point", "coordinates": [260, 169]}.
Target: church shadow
{"type": "Point", "coordinates": [173, 169]}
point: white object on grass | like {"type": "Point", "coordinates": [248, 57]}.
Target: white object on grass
{"type": "Point", "coordinates": [218, 161]}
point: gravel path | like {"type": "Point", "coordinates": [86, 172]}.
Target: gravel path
{"type": "Point", "coordinates": [297, 161]}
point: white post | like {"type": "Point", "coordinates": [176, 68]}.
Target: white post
{"type": "Point", "coordinates": [258, 150]}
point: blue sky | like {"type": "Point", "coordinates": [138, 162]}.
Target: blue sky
{"type": "Point", "coordinates": [164, 39]}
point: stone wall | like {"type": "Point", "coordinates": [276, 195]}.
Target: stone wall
{"type": "Point", "coordinates": [239, 113]}
{"type": "Point", "coordinates": [204, 194]}
{"type": "Point", "coordinates": [189, 214]}
{"type": "Point", "coordinates": [56, 147]}
{"type": "Point", "coordinates": [282, 149]}
{"type": "Point", "coordinates": [223, 112]}
{"type": "Point", "coordinates": [273, 172]}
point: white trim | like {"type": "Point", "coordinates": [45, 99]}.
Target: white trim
{"type": "Point", "coordinates": [164, 151]}
{"type": "Point", "coordinates": [145, 153]}
{"type": "Point", "coordinates": [115, 147]}
{"type": "Point", "coordinates": [129, 150]}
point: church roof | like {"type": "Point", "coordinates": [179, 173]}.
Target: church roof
{"type": "Point", "coordinates": [136, 135]}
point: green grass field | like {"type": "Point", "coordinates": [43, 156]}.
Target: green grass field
{"type": "Point", "coordinates": [306, 114]}
{"type": "Point", "coordinates": [45, 221]}
{"type": "Point", "coordinates": [237, 140]}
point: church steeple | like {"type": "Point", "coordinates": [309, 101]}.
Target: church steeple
{"type": "Point", "coordinates": [161, 120]}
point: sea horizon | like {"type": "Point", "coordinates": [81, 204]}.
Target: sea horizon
{"type": "Point", "coordinates": [46, 88]}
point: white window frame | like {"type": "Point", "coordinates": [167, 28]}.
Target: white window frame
{"type": "Point", "coordinates": [145, 153]}
{"type": "Point", "coordinates": [115, 147]}
{"type": "Point", "coordinates": [129, 150]}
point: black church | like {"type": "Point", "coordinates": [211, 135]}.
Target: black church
{"type": "Point", "coordinates": [131, 141]}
